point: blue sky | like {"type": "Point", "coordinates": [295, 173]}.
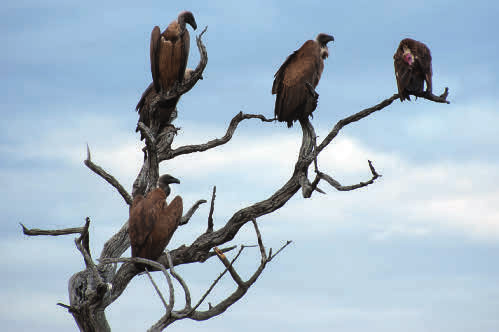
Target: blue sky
{"type": "Point", "coordinates": [416, 251]}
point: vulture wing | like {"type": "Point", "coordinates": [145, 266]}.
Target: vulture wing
{"type": "Point", "coordinates": [304, 65]}
{"type": "Point", "coordinates": [402, 74]}
{"type": "Point", "coordinates": [143, 216]}
{"type": "Point", "coordinates": [423, 59]}
{"type": "Point", "coordinates": [154, 53]}
{"type": "Point", "coordinates": [169, 217]}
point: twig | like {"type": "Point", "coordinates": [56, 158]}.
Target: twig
{"type": "Point", "coordinates": [219, 254]}
{"type": "Point", "coordinates": [181, 281]}
{"type": "Point", "coordinates": [278, 251]}
{"type": "Point", "coordinates": [430, 96]}
{"type": "Point", "coordinates": [108, 177]}
{"type": "Point", "coordinates": [339, 187]}
{"type": "Point", "coordinates": [185, 219]}
{"type": "Point", "coordinates": [56, 232]}
{"type": "Point", "coordinates": [157, 289]}
{"type": "Point", "coordinates": [84, 250]}
{"type": "Point", "coordinates": [212, 207]}
{"type": "Point", "coordinates": [260, 242]}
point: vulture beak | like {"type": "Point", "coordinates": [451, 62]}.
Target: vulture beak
{"type": "Point", "coordinates": [174, 180]}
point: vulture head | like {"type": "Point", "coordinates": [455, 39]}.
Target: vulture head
{"type": "Point", "coordinates": [164, 183]}
{"type": "Point", "coordinates": [407, 56]}
{"type": "Point", "coordinates": [323, 39]}
{"type": "Point", "coordinates": [187, 17]}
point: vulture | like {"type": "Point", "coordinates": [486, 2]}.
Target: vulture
{"type": "Point", "coordinates": [412, 62]}
{"type": "Point", "coordinates": [169, 52]}
{"type": "Point", "coordinates": [152, 221]}
{"type": "Point", "coordinates": [294, 98]}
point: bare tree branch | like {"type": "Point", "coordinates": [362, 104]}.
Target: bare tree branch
{"type": "Point", "coordinates": [339, 187]}
{"type": "Point", "coordinates": [218, 252]}
{"type": "Point", "coordinates": [212, 208]}
{"type": "Point", "coordinates": [56, 232]}
{"type": "Point", "coordinates": [430, 96]}
{"type": "Point", "coordinates": [185, 219]}
{"type": "Point", "coordinates": [368, 111]}
{"type": "Point", "coordinates": [108, 177]}
{"type": "Point", "coordinates": [166, 155]}
{"type": "Point", "coordinates": [181, 281]}
{"type": "Point", "coordinates": [157, 289]}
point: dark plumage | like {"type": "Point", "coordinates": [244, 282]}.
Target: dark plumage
{"type": "Point", "coordinates": [169, 52]}
{"type": "Point", "coordinates": [294, 101]}
{"type": "Point", "coordinates": [412, 62]}
{"type": "Point", "coordinates": [152, 221]}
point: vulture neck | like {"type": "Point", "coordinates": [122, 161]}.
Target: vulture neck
{"type": "Point", "coordinates": [166, 189]}
{"type": "Point", "coordinates": [324, 49]}
{"type": "Point", "coordinates": [181, 22]}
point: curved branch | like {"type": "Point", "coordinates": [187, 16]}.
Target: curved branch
{"type": "Point", "coordinates": [368, 111]}
{"type": "Point", "coordinates": [185, 219]}
{"type": "Point", "coordinates": [166, 155]}
{"type": "Point", "coordinates": [437, 99]}
{"type": "Point", "coordinates": [108, 177]}
{"type": "Point", "coordinates": [339, 187]}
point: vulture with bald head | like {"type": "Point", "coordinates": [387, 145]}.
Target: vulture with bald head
{"type": "Point", "coordinates": [412, 62]}
{"type": "Point", "coordinates": [169, 52]}
{"type": "Point", "coordinates": [293, 81]}
{"type": "Point", "coordinates": [153, 221]}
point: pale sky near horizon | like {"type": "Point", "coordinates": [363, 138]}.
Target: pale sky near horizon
{"type": "Point", "coordinates": [416, 251]}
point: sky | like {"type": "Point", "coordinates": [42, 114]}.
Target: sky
{"type": "Point", "coordinates": [415, 251]}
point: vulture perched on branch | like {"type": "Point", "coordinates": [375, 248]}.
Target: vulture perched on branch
{"type": "Point", "coordinates": [152, 221]}
{"type": "Point", "coordinates": [412, 62]}
{"type": "Point", "coordinates": [296, 79]}
{"type": "Point", "coordinates": [169, 52]}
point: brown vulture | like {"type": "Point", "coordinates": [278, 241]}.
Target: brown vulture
{"type": "Point", "coordinates": [152, 221]}
{"type": "Point", "coordinates": [294, 99]}
{"type": "Point", "coordinates": [169, 52]}
{"type": "Point", "coordinates": [412, 62]}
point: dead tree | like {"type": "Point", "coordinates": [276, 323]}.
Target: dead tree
{"type": "Point", "coordinates": [92, 290]}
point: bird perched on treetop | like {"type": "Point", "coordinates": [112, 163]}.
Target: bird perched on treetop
{"type": "Point", "coordinates": [169, 52]}
{"type": "Point", "coordinates": [412, 62]}
{"type": "Point", "coordinates": [297, 77]}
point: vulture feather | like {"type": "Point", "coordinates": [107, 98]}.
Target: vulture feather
{"type": "Point", "coordinates": [152, 221]}
{"type": "Point", "coordinates": [294, 100]}
{"type": "Point", "coordinates": [169, 52]}
{"type": "Point", "coordinates": [412, 62]}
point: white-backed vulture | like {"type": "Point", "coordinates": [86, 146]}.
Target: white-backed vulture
{"type": "Point", "coordinates": [412, 62]}
{"type": "Point", "coordinates": [169, 52]}
{"type": "Point", "coordinates": [294, 100]}
{"type": "Point", "coordinates": [152, 221]}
